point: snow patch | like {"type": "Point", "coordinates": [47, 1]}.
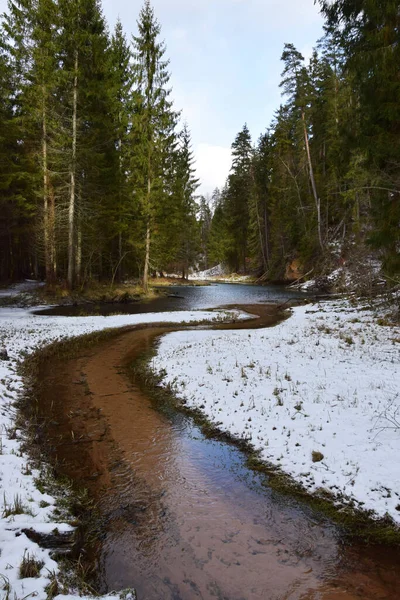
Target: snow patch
{"type": "Point", "coordinates": [327, 381]}
{"type": "Point", "coordinates": [22, 505]}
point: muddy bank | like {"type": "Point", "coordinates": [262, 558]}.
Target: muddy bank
{"type": "Point", "coordinates": [180, 516]}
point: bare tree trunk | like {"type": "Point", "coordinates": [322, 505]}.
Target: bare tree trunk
{"type": "Point", "coordinates": [46, 220]}
{"type": "Point", "coordinates": [78, 267]}
{"type": "Point", "coordinates": [71, 210]}
{"type": "Point", "coordinates": [52, 231]}
{"type": "Point", "coordinates": [148, 230]}
{"type": "Point", "coordinates": [147, 258]}
{"type": "Point", "coordinates": [119, 206]}
{"type": "Point", "coordinates": [266, 234]}
{"type": "Point", "coordinates": [120, 257]}
{"type": "Point", "coordinates": [312, 179]}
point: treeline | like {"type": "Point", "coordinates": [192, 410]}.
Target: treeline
{"type": "Point", "coordinates": [324, 181]}
{"type": "Point", "coordinates": [96, 176]}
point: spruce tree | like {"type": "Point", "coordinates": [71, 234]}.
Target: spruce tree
{"type": "Point", "coordinates": [88, 133]}
{"type": "Point", "coordinates": [239, 192]}
{"type": "Point", "coordinates": [120, 211]}
{"type": "Point", "coordinates": [370, 37]}
{"type": "Point", "coordinates": [187, 184]}
{"type": "Point", "coordinates": [295, 84]}
{"type": "Point", "coordinates": [153, 131]}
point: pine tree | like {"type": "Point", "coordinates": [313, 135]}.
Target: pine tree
{"type": "Point", "coordinates": [121, 91]}
{"type": "Point", "coordinates": [219, 239]}
{"type": "Point", "coordinates": [187, 185]}
{"type": "Point", "coordinates": [295, 85]}
{"type": "Point", "coordinates": [205, 218]}
{"type": "Point", "coordinates": [259, 210]}
{"type": "Point", "coordinates": [88, 132]}
{"type": "Point", "coordinates": [153, 135]}
{"type": "Point", "coordinates": [239, 192]}
{"type": "Point", "coordinates": [370, 37]}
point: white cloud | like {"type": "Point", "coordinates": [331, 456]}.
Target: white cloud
{"type": "Point", "coordinates": [213, 164]}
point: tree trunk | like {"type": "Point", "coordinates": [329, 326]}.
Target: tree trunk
{"type": "Point", "coordinates": [120, 257]}
{"type": "Point", "coordinates": [148, 230]}
{"type": "Point", "coordinates": [119, 204]}
{"type": "Point", "coordinates": [71, 210]}
{"type": "Point", "coordinates": [266, 234]}
{"type": "Point", "coordinates": [312, 180]}
{"type": "Point", "coordinates": [147, 259]}
{"type": "Point", "coordinates": [78, 266]}
{"type": "Point", "coordinates": [47, 223]}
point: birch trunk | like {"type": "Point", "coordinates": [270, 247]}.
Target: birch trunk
{"type": "Point", "coordinates": [71, 210]}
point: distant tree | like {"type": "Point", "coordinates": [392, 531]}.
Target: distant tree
{"type": "Point", "coordinates": [205, 219]}
{"type": "Point", "coordinates": [238, 195]}
{"type": "Point", "coordinates": [187, 184]}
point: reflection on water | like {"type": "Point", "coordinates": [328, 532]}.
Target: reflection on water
{"type": "Point", "coordinates": [185, 298]}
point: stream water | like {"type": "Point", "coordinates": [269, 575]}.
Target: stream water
{"type": "Point", "coordinates": [182, 516]}
{"type": "Point", "coordinates": [184, 297]}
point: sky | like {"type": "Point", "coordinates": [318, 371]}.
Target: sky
{"type": "Point", "coordinates": [225, 65]}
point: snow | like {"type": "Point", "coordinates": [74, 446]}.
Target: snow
{"type": "Point", "coordinates": [26, 286]}
{"type": "Point", "coordinates": [326, 380]}
{"type": "Point", "coordinates": [20, 333]}
{"type": "Point", "coordinates": [218, 273]}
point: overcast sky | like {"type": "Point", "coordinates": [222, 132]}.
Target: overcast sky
{"type": "Point", "coordinates": [225, 64]}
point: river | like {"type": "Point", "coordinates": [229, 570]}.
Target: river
{"type": "Point", "coordinates": [182, 517]}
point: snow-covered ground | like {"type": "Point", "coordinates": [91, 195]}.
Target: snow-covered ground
{"type": "Point", "coordinates": [318, 395]}
{"type": "Point", "coordinates": [218, 273]}
{"type": "Point", "coordinates": [20, 333]}
{"type": "Point", "coordinates": [29, 285]}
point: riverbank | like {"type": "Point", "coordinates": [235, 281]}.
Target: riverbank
{"type": "Point", "coordinates": [26, 504]}
{"type": "Point", "coordinates": [317, 395]}
{"type": "Point", "coordinates": [33, 293]}
{"type": "Point", "coordinates": [320, 383]}
{"type": "Point", "coordinates": [169, 498]}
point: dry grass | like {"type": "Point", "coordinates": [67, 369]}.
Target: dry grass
{"type": "Point", "coordinates": [30, 566]}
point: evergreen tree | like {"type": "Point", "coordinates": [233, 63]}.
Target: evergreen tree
{"type": "Point", "coordinates": [187, 185]}
{"type": "Point", "coordinates": [88, 132]}
{"type": "Point", "coordinates": [239, 192]}
{"type": "Point", "coordinates": [121, 211]}
{"type": "Point", "coordinates": [205, 218]}
{"type": "Point", "coordinates": [370, 37]}
{"type": "Point", "coordinates": [153, 135]}
{"type": "Point", "coordinates": [259, 210]}
{"type": "Point", "coordinates": [295, 84]}
{"type": "Point", "coordinates": [219, 237]}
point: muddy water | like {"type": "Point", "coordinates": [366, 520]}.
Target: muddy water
{"type": "Point", "coordinates": [182, 517]}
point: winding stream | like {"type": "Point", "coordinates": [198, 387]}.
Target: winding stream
{"type": "Point", "coordinates": [182, 516]}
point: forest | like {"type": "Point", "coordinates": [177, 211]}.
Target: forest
{"type": "Point", "coordinates": [98, 180]}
